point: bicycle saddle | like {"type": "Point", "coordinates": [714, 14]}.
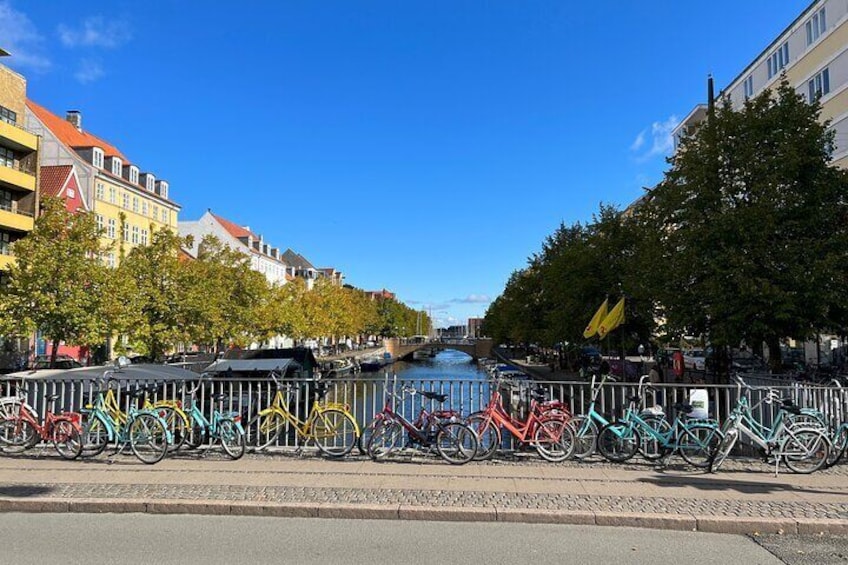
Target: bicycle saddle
{"type": "Point", "coordinates": [51, 397]}
{"type": "Point", "coordinates": [792, 409]}
{"type": "Point", "coordinates": [218, 396]}
{"type": "Point", "coordinates": [434, 396]}
{"type": "Point", "coordinates": [683, 407]}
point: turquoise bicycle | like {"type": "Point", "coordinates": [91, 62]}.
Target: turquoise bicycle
{"type": "Point", "coordinates": [586, 425]}
{"type": "Point", "coordinates": [143, 430]}
{"type": "Point", "coordinates": [222, 427]}
{"type": "Point", "coordinates": [694, 439]}
{"type": "Point", "coordinates": [795, 437]}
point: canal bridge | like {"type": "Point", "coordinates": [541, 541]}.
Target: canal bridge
{"type": "Point", "coordinates": [476, 348]}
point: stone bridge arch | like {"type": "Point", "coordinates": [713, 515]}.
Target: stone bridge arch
{"type": "Point", "coordinates": [476, 348]}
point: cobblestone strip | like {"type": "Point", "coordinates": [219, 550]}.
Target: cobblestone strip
{"type": "Point", "coordinates": [759, 509]}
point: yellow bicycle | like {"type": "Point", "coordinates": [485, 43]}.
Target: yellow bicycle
{"type": "Point", "coordinates": [329, 424]}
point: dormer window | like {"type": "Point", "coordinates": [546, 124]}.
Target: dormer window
{"type": "Point", "coordinates": [149, 182]}
{"type": "Point", "coordinates": [97, 157]}
{"type": "Point", "coordinates": [162, 189]}
{"type": "Point", "coordinates": [133, 174]}
{"type": "Point", "coordinates": [117, 166]}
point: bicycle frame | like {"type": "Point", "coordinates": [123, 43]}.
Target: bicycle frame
{"type": "Point", "coordinates": [522, 431]}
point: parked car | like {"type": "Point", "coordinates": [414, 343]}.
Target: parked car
{"type": "Point", "coordinates": [695, 359]}
{"type": "Point", "coordinates": [748, 363]}
{"type": "Point", "coordinates": [62, 362]}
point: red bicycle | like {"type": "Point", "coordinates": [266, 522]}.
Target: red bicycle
{"type": "Point", "coordinates": [546, 428]}
{"type": "Point", "coordinates": [24, 431]}
{"type": "Point", "coordinates": [443, 430]}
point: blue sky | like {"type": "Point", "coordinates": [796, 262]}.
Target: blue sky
{"type": "Point", "coordinates": [423, 147]}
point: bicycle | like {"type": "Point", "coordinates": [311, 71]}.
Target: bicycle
{"type": "Point", "coordinates": [172, 413]}
{"type": "Point", "coordinates": [796, 444]}
{"type": "Point", "coordinates": [586, 426]}
{"type": "Point", "coordinates": [548, 432]}
{"type": "Point", "coordinates": [225, 428]}
{"type": "Point", "coordinates": [454, 441]}
{"type": "Point", "coordinates": [839, 431]}
{"type": "Point", "coordinates": [143, 430]}
{"type": "Point", "coordinates": [25, 430]}
{"type": "Point", "coordinates": [330, 424]}
{"type": "Point", "coordinates": [694, 439]}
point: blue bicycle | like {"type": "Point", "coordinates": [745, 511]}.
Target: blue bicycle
{"type": "Point", "coordinates": [222, 427]}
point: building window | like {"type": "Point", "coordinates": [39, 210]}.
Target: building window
{"type": "Point", "coordinates": [112, 195]}
{"type": "Point", "coordinates": [99, 219]}
{"type": "Point", "coordinates": [126, 231]}
{"type": "Point", "coordinates": [97, 158]}
{"type": "Point", "coordinates": [144, 234]}
{"type": "Point", "coordinates": [8, 116]}
{"type": "Point", "coordinates": [749, 87]}
{"type": "Point", "coordinates": [5, 200]}
{"type": "Point", "coordinates": [117, 166]}
{"type": "Point", "coordinates": [816, 26]}
{"type": "Point", "coordinates": [155, 213]}
{"type": "Point", "coordinates": [110, 260]}
{"type": "Point", "coordinates": [135, 204]}
{"type": "Point", "coordinates": [135, 234]}
{"type": "Point", "coordinates": [166, 217]}
{"type": "Point", "coordinates": [99, 191]}
{"type": "Point", "coordinates": [778, 60]}
{"type": "Point", "coordinates": [144, 208]}
{"type": "Point", "coordinates": [110, 228]}
{"type": "Point", "coordinates": [134, 175]}
{"type": "Point", "coordinates": [126, 199]}
{"type": "Point", "coordinates": [819, 85]}
{"type": "Point", "coordinates": [7, 157]}
{"type": "Point", "coordinates": [5, 243]}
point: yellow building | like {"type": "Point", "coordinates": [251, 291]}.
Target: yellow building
{"type": "Point", "coordinates": [813, 54]}
{"type": "Point", "coordinates": [129, 204]}
{"type": "Point", "coordinates": [19, 151]}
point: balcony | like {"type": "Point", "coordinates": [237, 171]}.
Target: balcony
{"type": "Point", "coordinates": [18, 138]}
{"type": "Point", "coordinates": [17, 222]}
{"type": "Point", "coordinates": [17, 178]}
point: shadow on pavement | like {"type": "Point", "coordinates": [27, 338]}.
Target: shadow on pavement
{"type": "Point", "coordinates": [713, 483]}
{"type": "Point", "coordinates": [23, 491]}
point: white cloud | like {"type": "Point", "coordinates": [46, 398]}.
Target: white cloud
{"type": "Point", "coordinates": [661, 140]}
{"type": "Point", "coordinates": [88, 71]}
{"type": "Point", "coordinates": [21, 39]}
{"type": "Point", "coordinates": [473, 299]}
{"type": "Point", "coordinates": [96, 32]}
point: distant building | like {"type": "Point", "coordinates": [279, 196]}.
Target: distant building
{"type": "Point", "coordinates": [264, 258]}
{"type": "Point", "coordinates": [383, 293]}
{"type": "Point", "coordinates": [61, 181]}
{"type": "Point", "coordinates": [475, 327]}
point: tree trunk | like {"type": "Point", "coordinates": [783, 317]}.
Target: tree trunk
{"type": "Point", "coordinates": [54, 353]}
{"type": "Point", "coordinates": [773, 345]}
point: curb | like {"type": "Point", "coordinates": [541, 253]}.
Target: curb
{"type": "Point", "coordinates": [683, 522]}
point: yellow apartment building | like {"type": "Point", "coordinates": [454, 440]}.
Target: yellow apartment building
{"type": "Point", "coordinates": [19, 150]}
{"type": "Point", "coordinates": [114, 187]}
{"type": "Point", "coordinates": [813, 53]}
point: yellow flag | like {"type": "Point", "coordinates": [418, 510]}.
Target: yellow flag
{"type": "Point", "coordinates": [614, 319]}
{"type": "Point", "coordinates": [596, 320]}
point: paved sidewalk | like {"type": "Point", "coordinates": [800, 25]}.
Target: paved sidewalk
{"type": "Point", "coordinates": [746, 498]}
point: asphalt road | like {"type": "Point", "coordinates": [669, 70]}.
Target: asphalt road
{"type": "Point", "coordinates": [161, 539]}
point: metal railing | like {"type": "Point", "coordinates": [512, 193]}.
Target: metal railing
{"type": "Point", "coordinates": [365, 396]}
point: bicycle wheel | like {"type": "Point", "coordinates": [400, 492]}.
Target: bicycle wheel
{"type": "Point", "coordinates": [232, 438]}
{"type": "Point", "coordinates": [725, 446]}
{"type": "Point", "coordinates": [456, 443]}
{"type": "Point", "coordinates": [651, 448]}
{"type": "Point", "coordinates": [838, 444]}
{"type": "Point", "coordinates": [365, 435]}
{"type": "Point", "coordinates": [618, 442]}
{"type": "Point", "coordinates": [697, 443]}
{"type": "Point", "coordinates": [334, 432]}
{"type": "Point", "coordinates": [554, 440]}
{"type": "Point", "coordinates": [266, 429]}
{"type": "Point", "coordinates": [805, 450]}
{"type": "Point", "coordinates": [488, 435]}
{"type": "Point", "coordinates": [386, 437]}
{"type": "Point", "coordinates": [148, 438]}
{"type": "Point", "coordinates": [95, 436]}
{"type": "Point", "coordinates": [66, 439]}
{"type": "Point", "coordinates": [196, 436]}
{"type": "Point", "coordinates": [176, 423]}
{"type": "Point", "coordinates": [585, 436]}
{"type": "Point", "coordinates": [16, 435]}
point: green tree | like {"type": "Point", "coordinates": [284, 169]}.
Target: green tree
{"type": "Point", "coordinates": [751, 223]}
{"type": "Point", "coordinates": [56, 279]}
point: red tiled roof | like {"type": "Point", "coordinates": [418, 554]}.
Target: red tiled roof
{"type": "Point", "coordinates": [234, 230]}
{"type": "Point", "coordinates": [53, 179]}
{"type": "Point", "coordinates": [71, 136]}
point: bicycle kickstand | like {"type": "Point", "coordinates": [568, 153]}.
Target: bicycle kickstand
{"type": "Point", "coordinates": [118, 451]}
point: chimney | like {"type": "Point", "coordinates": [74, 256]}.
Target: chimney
{"type": "Point", "coordinates": [75, 117]}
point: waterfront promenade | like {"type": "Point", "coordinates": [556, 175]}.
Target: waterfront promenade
{"type": "Point", "coordinates": [747, 498]}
